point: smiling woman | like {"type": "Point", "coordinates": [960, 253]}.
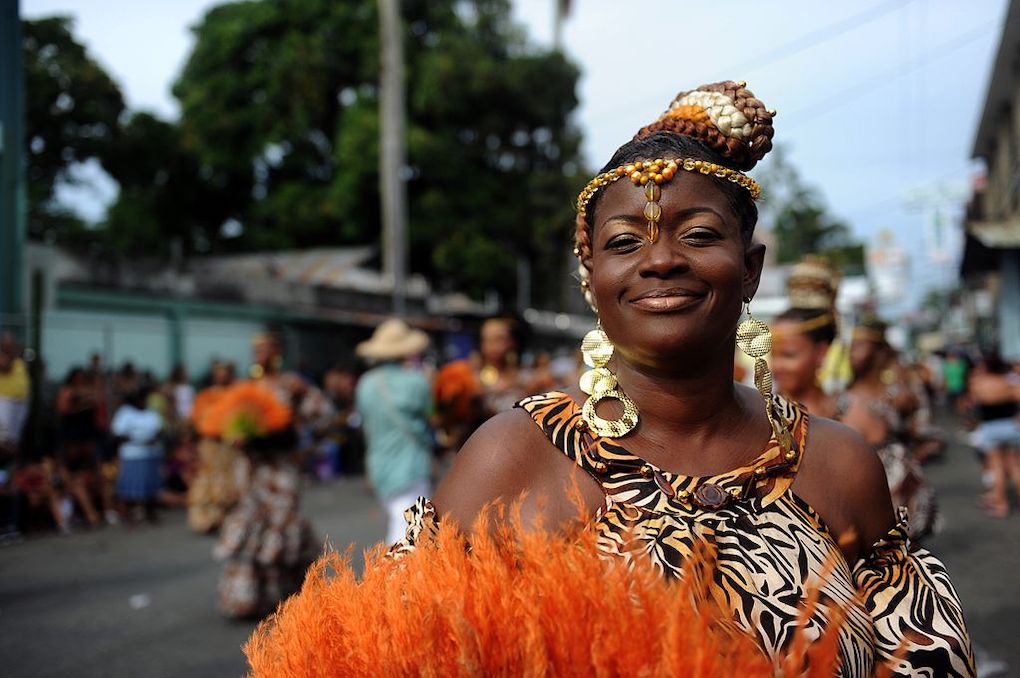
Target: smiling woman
{"type": "Point", "coordinates": [791, 534]}
{"type": "Point", "coordinates": [669, 456]}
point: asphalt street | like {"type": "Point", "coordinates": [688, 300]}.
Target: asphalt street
{"type": "Point", "coordinates": [140, 602]}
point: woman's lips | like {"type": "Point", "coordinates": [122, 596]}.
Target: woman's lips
{"type": "Point", "coordinates": [667, 301]}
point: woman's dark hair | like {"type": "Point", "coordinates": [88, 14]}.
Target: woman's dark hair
{"type": "Point", "coordinates": [665, 144]}
{"type": "Point", "coordinates": [138, 397]}
{"type": "Point", "coordinates": [822, 334]}
{"type": "Point", "coordinates": [995, 364]}
{"type": "Point", "coordinates": [73, 374]}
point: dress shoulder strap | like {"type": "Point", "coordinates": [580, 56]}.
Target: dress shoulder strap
{"type": "Point", "coordinates": [560, 419]}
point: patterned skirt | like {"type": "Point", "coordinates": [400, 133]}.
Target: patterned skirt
{"type": "Point", "coordinates": [265, 545]}
{"type": "Point", "coordinates": [216, 488]}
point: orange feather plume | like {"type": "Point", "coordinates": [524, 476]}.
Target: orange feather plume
{"type": "Point", "coordinates": [243, 411]}
{"type": "Point", "coordinates": [515, 603]}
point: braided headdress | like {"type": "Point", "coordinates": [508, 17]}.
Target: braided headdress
{"type": "Point", "coordinates": [732, 125]}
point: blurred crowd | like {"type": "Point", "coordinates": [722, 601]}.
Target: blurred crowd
{"type": "Point", "coordinates": [112, 445]}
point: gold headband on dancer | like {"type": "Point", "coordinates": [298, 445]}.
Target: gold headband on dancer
{"type": "Point", "coordinates": [709, 108]}
{"type": "Point", "coordinates": [651, 174]}
{"type": "Point", "coordinates": [805, 326]}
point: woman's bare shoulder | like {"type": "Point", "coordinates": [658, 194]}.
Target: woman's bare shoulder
{"type": "Point", "coordinates": [844, 480]}
{"type": "Point", "coordinates": [507, 457]}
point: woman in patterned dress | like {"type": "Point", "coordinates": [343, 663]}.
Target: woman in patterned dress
{"type": "Point", "coordinates": [877, 405]}
{"type": "Point", "coordinates": [783, 501]}
{"type": "Point", "coordinates": [265, 544]}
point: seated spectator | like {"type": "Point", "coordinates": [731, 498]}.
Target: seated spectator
{"type": "Point", "coordinates": [137, 429]}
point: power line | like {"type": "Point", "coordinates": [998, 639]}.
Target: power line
{"type": "Point", "coordinates": [817, 37]}
{"type": "Point", "coordinates": [803, 42]}
{"type": "Point", "coordinates": [842, 97]}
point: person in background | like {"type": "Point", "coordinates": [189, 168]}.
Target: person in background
{"type": "Point", "coordinates": [76, 407]}
{"type": "Point", "coordinates": [182, 392]}
{"type": "Point", "coordinates": [314, 416]}
{"type": "Point", "coordinates": [107, 401]}
{"type": "Point", "coordinates": [542, 377]}
{"type": "Point", "coordinates": [954, 376]}
{"type": "Point", "coordinates": [137, 428]}
{"type": "Point", "coordinates": [221, 469]}
{"type": "Point", "coordinates": [345, 445]}
{"type": "Point", "coordinates": [180, 469]}
{"type": "Point", "coordinates": [125, 381]}
{"type": "Point", "coordinates": [877, 405]}
{"type": "Point", "coordinates": [15, 392]}
{"type": "Point", "coordinates": [803, 334]}
{"type": "Point", "coordinates": [394, 402]}
{"type": "Point", "coordinates": [503, 381]}
{"type": "Point", "coordinates": [994, 400]}
{"type": "Point", "coordinates": [468, 392]}
{"type": "Point", "coordinates": [265, 544]}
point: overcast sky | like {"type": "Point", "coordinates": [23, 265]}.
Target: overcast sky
{"type": "Point", "coordinates": [877, 99]}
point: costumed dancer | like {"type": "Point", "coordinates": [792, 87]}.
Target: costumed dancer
{"type": "Point", "coordinates": [804, 334]}
{"type": "Point", "coordinates": [222, 468]}
{"type": "Point", "coordinates": [877, 405]}
{"type": "Point", "coordinates": [265, 544]}
{"type": "Point", "coordinates": [470, 391]}
{"type": "Point", "coordinates": [670, 461]}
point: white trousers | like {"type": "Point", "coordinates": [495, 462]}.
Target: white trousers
{"type": "Point", "coordinates": [395, 507]}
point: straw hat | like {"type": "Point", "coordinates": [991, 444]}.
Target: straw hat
{"type": "Point", "coordinates": [391, 340]}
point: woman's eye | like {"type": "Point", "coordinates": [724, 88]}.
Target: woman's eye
{"type": "Point", "coordinates": [623, 242]}
{"type": "Point", "coordinates": [701, 235]}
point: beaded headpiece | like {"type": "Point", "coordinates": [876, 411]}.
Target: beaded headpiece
{"type": "Point", "coordinates": [726, 117]}
{"type": "Point", "coordinates": [812, 283]}
{"type": "Point", "coordinates": [870, 328]}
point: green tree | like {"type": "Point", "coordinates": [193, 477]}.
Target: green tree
{"type": "Point", "coordinates": [798, 217]}
{"type": "Point", "coordinates": [279, 105]}
{"type": "Point", "coordinates": [72, 112]}
{"type": "Point", "coordinates": [163, 203]}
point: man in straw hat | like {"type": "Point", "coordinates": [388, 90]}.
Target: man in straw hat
{"type": "Point", "coordinates": [394, 402]}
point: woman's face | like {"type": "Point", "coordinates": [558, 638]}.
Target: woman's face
{"type": "Point", "coordinates": [680, 297]}
{"type": "Point", "coordinates": [864, 355]}
{"type": "Point", "coordinates": [496, 341]}
{"type": "Point", "coordinates": [795, 358]}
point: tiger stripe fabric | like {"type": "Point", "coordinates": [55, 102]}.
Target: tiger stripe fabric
{"type": "Point", "coordinates": [769, 550]}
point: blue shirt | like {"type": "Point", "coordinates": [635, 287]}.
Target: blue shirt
{"type": "Point", "coordinates": [394, 403]}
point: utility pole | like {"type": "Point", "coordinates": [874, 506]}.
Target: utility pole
{"type": "Point", "coordinates": [392, 159]}
{"type": "Point", "coordinates": [561, 10]}
{"type": "Point", "coordinates": [12, 176]}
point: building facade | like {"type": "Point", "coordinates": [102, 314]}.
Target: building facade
{"type": "Point", "coordinates": [991, 260]}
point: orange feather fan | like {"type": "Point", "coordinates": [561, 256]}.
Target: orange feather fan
{"type": "Point", "coordinates": [241, 412]}
{"type": "Point", "coordinates": [516, 603]}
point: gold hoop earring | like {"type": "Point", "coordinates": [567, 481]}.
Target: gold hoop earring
{"type": "Point", "coordinates": [755, 339]}
{"type": "Point", "coordinates": [600, 384]}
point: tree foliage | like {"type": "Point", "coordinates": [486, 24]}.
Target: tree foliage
{"type": "Point", "coordinates": [279, 139]}
{"type": "Point", "coordinates": [279, 104]}
{"type": "Point", "coordinates": [72, 113]}
{"type": "Point", "coordinates": [800, 221]}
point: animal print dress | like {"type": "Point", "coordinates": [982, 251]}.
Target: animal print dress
{"type": "Point", "coordinates": [769, 548]}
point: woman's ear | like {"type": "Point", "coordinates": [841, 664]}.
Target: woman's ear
{"type": "Point", "coordinates": [754, 260]}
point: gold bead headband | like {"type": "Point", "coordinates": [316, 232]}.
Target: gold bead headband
{"type": "Point", "coordinates": [653, 173]}
{"type": "Point", "coordinates": [805, 326]}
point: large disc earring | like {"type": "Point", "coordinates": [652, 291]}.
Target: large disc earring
{"type": "Point", "coordinates": [755, 339]}
{"type": "Point", "coordinates": [600, 384]}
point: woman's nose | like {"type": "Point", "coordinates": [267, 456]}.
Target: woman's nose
{"type": "Point", "coordinates": [663, 259]}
